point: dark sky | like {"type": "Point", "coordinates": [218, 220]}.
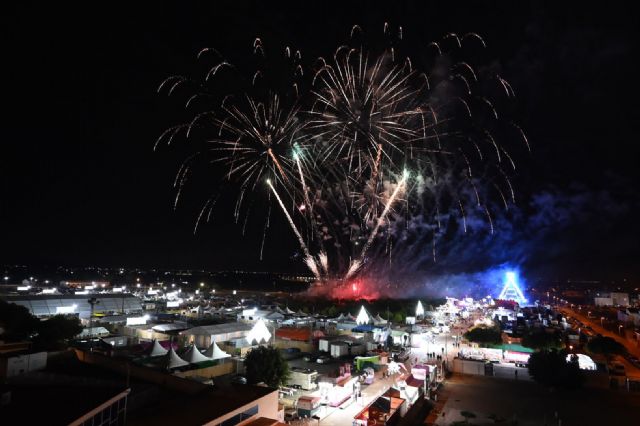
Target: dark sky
{"type": "Point", "coordinates": [81, 185]}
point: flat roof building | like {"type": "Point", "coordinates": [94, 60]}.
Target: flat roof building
{"type": "Point", "coordinates": [48, 305]}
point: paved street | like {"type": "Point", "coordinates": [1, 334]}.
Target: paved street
{"type": "Point", "coordinates": [531, 404]}
{"type": "Point", "coordinates": [631, 370]}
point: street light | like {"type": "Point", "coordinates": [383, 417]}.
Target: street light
{"type": "Point", "coordinates": [619, 329]}
{"type": "Point", "coordinates": [602, 321]}
{"type": "Point", "coordinates": [93, 301]}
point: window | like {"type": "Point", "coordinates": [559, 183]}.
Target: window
{"type": "Point", "coordinates": [241, 416]}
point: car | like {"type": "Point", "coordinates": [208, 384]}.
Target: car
{"type": "Point", "coordinates": [323, 359]}
{"type": "Point", "coordinates": [239, 380]}
{"type": "Point", "coordinates": [291, 415]}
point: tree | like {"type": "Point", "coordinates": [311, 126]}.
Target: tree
{"type": "Point", "coordinates": [265, 364]}
{"type": "Point", "coordinates": [550, 368]}
{"type": "Point", "coordinates": [55, 332]}
{"type": "Point", "coordinates": [398, 318]}
{"type": "Point", "coordinates": [16, 321]}
{"type": "Point", "coordinates": [606, 346]}
{"type": "Point", "coordinates": [484, 335]}
{"type": "Point", "coordinates": [542, 340]}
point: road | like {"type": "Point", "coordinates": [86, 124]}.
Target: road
{"type": "Point", "coordinates": [631, 370]}
{"type": "Point", "coordinates": [530, 404]}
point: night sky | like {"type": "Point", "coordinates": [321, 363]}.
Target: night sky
{"type": "Point", "coordinates": [81, 185]}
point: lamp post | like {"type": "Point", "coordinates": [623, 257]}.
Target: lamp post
{"type": "Point", "coordinates": [92, 301]}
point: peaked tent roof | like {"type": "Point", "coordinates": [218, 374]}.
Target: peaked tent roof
{"type": "Point", "coordinates": [379, 319]}
{"type": "Point", "coordinates": [289, 311]}
{"type": "Point", "coordinates": [214, 352]}
{"type": "Point", "coordinates": [156, 349]}
{"type": "Point", "coordinates": [172, 360]}
{"type": "Point", "coordinates": [193, 355]}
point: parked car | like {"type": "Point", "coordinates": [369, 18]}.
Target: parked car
{"type": "Point", "coordinates": [290, 415]}
{"type": "Point", "coordinates": [239, 380]}
{"type": "Point", "coordinates": [323, 359]}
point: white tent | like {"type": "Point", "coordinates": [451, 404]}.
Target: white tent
{"type": "Point", "coordinates": [193, 355]}
{"type": "Point", "coordinates": [156, 349]}
{"type": "Point", "coordinates": [379, 320]}
{"type": "Point", "coordinates": [214, 352]}
{"type": "Point", "coordinates": [289, 311]}
{"type": "Point", "coordinates": [172, 360]}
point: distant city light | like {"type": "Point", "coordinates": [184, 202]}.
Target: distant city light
{"type": "Point", "coordinates": [6, 278]}
{"type": "Point", "coordinates": [234, 292]}
{"type": "Point", "coordinates": [201, 284]}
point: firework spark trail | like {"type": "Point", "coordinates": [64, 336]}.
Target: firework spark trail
{"type": "Point", "coordinates": [368, 113]}
{"type": "Point", "coordinates": [303, 182]}
{"type": "Point", "coordinates": [324, 261]}
{"type": "Point", "coordinates": [308, 258]}
{"type": "Point", "coordinates": [355, 265]}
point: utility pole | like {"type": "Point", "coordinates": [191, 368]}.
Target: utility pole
{"type": "Point", "coordinates": [92, 301]}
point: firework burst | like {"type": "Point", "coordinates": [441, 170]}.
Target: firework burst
{"type": "Point", "coordinates": [361, 151]}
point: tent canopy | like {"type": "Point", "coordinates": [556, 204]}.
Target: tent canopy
{"type": "Point", "coordinates": [193, 355]}
{"type": "Point", "coordinates": [172, 360]}
{"type": "Point", "coordinates": [214, 352]}
{"type": "Point", "coordinates": [156, 349]}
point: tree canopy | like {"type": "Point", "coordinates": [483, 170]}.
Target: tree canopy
{"type": "Point", "coordinates": [55, 332]}
{"type": "Point", "coordinates": [542, 340]}
{"type": "Point", "coordinates": [17, 322]}
{"type": "Point", "coordinates": [484, 335]}
{"type": "Point", "coordinates": [265, 364]}
{"type": "Point", "coordinates": [51, 334]}
{"type": "Point", "coordinates": [550, 368]}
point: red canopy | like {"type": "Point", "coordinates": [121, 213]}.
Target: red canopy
{"type": "Point", "coordinates": [292, 333]}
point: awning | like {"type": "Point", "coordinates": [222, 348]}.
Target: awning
{"type": "Point", "coordinates": [413, 382]}
{"type": "Point", "coordinates": [292, 333]}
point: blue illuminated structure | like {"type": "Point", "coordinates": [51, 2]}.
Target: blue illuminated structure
{"type": "Point", "coordinates": [511, 290]}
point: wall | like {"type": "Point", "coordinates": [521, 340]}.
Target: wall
{"type": "Point", "coordinates": [303, 346]}
{"type": "Point", "coordinates": [213, 371]}
{"type": "Point", "coordinates": [123, 368]}
{"type": "Point", "coordinates": [267, 407]}
{"type": "Point", "coordinates": [20, 364]}
{"type": "Point", "coordinates": [467, 366]}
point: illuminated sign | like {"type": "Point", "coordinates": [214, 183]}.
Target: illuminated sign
{"type": "Point", "coordinates": [511, 290]}
{"type": "Point", "coordinates": [137, 320]}
{"type": "Point", "coordinates": [173, 304]}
